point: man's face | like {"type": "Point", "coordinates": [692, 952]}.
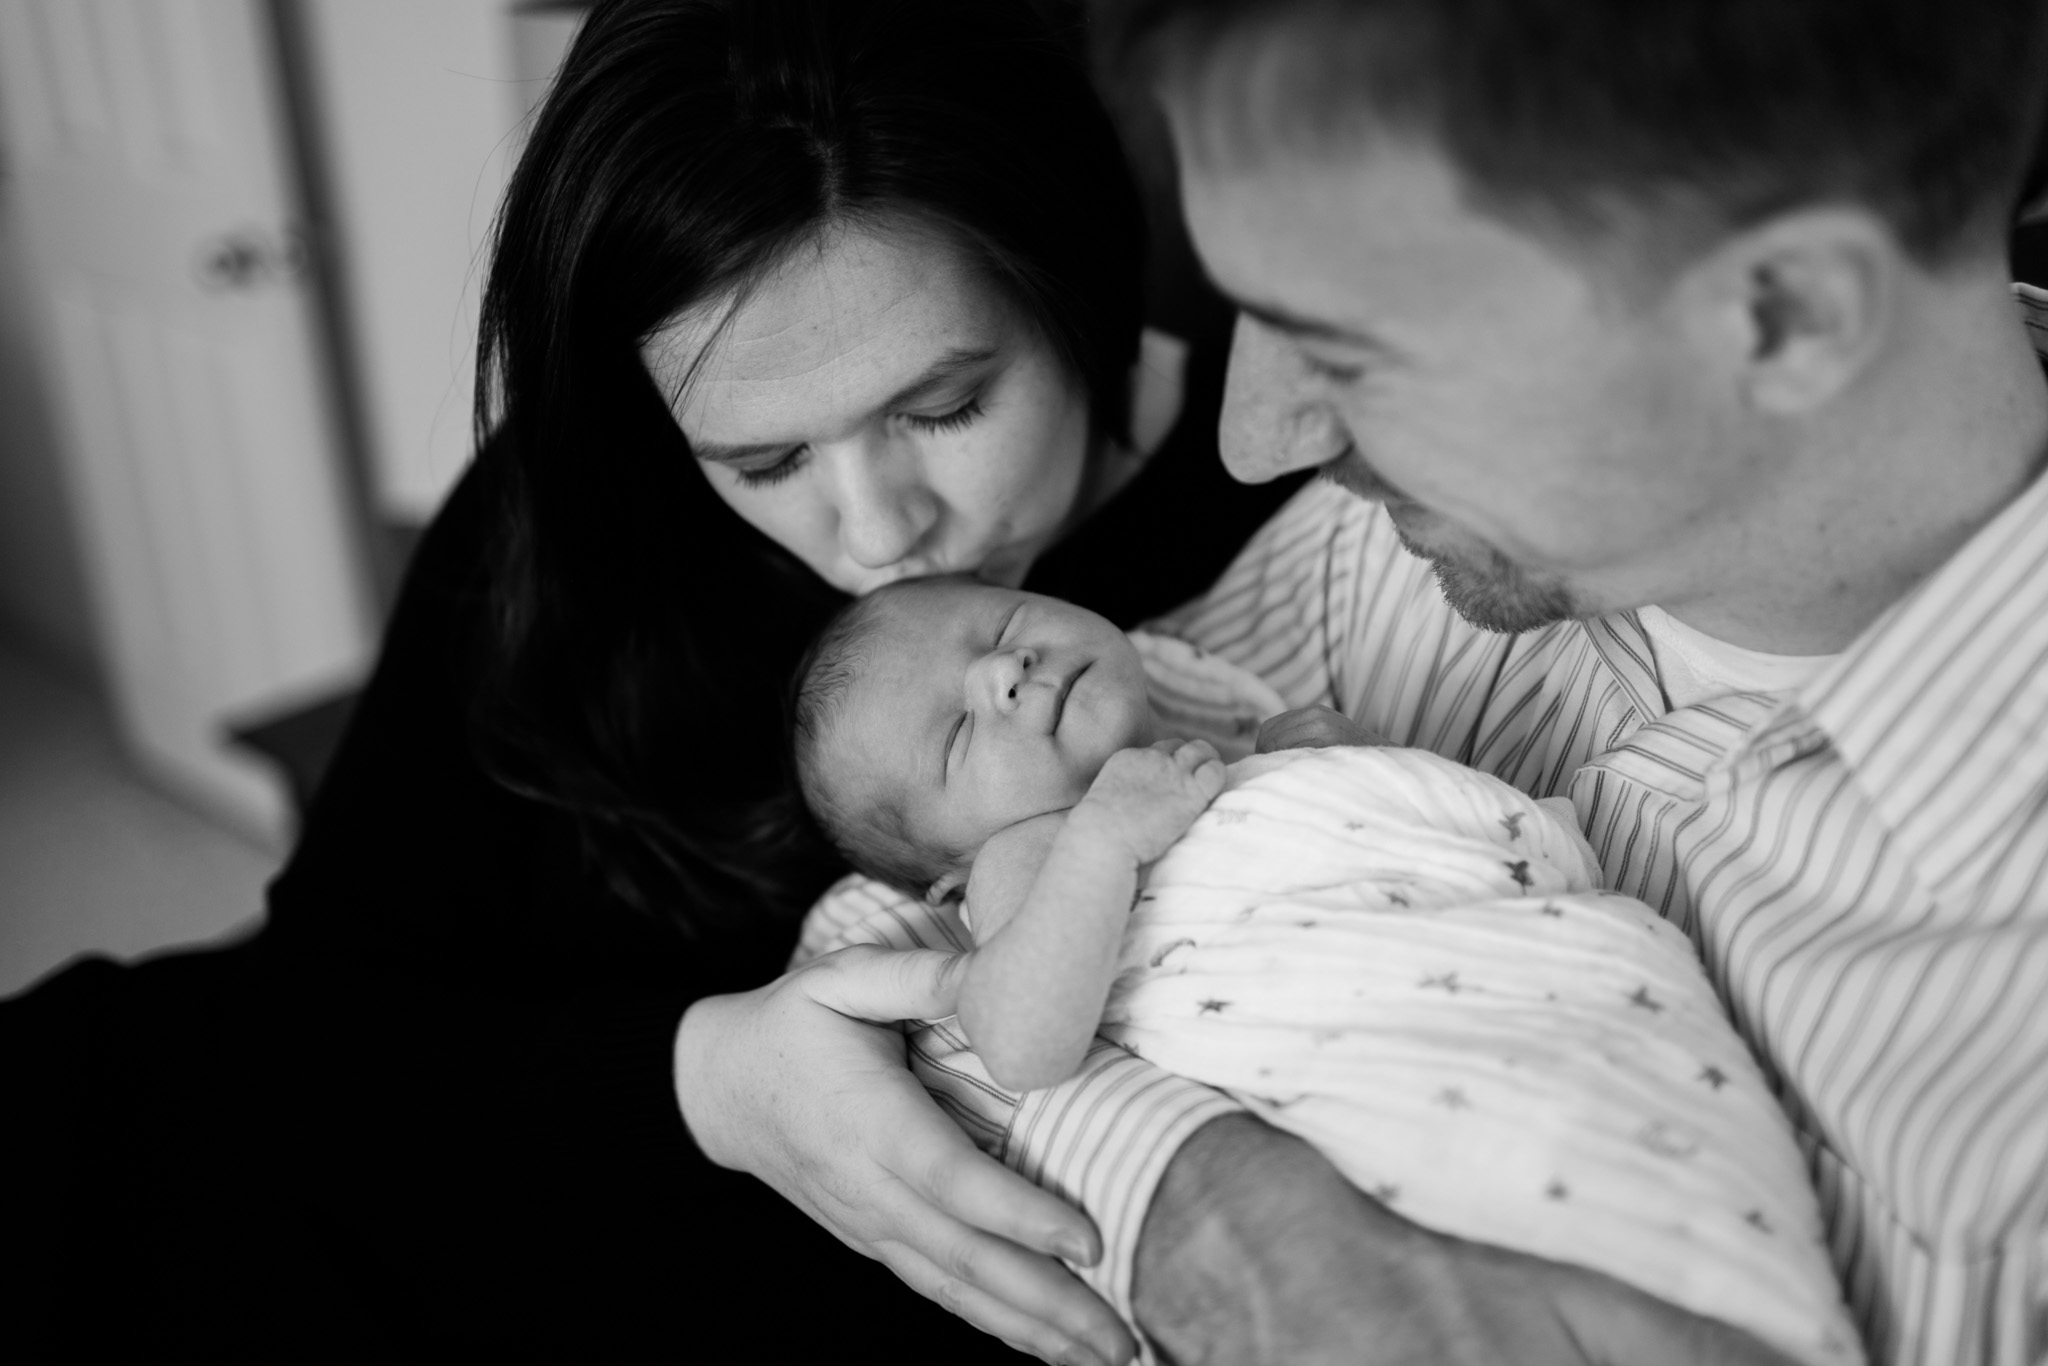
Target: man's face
{"type": "Point", "coordinates": [1546, 440]}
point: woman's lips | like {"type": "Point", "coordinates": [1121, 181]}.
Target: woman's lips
{"type": "Point", "coordinates": [1059, 700]}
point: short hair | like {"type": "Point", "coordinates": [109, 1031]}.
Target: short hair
{"type": "Point", "coordinates": [1686, 119]}
{"type": "Point", "coordinates": [870, 831]}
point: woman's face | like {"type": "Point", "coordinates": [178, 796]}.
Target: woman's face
{"type": "Point", "coordinates": [876, 407]}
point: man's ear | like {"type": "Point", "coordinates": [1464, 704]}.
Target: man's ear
{"type": "Point", "coordinates": [1800, 305]}
{"type": "Point", "coordinates": [950, 887]}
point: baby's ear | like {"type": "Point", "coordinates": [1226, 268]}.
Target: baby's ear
{"type": "Point", "coordinates": [951, 887]}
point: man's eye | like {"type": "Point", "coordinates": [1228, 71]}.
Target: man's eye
{"type": "Point", "coordinates": [1331, 371]}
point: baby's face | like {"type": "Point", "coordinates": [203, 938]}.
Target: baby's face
{"type": "Point", "coordinates": [978, 707]}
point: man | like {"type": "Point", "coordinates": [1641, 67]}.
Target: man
{"type": "Point", "coordinates": [1682, 436]}
{"type": "Point", "coordinates": [1699, 309]}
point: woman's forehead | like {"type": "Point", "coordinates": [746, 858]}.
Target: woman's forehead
{"type": "Point", "coordinates": [828, 338]}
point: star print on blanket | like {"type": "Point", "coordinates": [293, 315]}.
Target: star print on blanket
{"type": "Point", "coordinates": [1411, 965]}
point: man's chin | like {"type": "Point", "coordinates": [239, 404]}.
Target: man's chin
{"type": "Point", "coordinates": [1485, 588]}
{"type": "Point", "coordinates": [1489, 590]}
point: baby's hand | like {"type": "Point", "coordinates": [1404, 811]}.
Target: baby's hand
{"type": "Point", "coordinates": [1312, 728]}
{"type": "Point", "coordinates": [1147, 798]}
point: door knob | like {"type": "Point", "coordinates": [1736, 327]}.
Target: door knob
{"type": "Point", "coordinates": [250, 258]}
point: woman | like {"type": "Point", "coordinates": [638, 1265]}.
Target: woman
{"type": "Point", "coordinates": [791, 297]}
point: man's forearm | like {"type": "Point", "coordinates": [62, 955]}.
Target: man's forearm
{"type": "Point", "coordinates": [1256, 1249]}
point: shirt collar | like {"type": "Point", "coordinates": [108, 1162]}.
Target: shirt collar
{"type": "Point", "coordinates": [1940, 707]}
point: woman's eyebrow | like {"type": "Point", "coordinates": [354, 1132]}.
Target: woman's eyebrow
{"type": "Point", "coordinates": [711, 450]}
{"type": "Point", "coordinates": [946, 368]}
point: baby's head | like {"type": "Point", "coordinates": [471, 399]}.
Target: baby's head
{"type": "Point", "coordinates": [934, 712]}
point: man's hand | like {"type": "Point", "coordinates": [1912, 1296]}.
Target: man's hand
{"type": "Point", "coordinates": [1147, 798]}
{"type": "Point", "coordinates": [796, 1084]}
{"type": "Point", "coordinates": [1312, 728]}
{"type": "Point", "coordinates": [1256, 1251]}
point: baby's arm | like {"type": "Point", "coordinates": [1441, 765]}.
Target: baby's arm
{"type": "Point", "coordinates": [1048, 899]}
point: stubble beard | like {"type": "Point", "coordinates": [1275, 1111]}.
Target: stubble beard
{"type": "Point", "coordinates": [1486, 588]}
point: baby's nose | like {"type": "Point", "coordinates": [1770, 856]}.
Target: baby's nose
{"type": "Point", "coordinates": [1007, 673]}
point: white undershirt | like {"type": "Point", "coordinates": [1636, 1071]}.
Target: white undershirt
{"type": "Point", "coordinates": [1697, 668]}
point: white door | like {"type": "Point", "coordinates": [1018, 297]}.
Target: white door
{"type": "Point", "coordinates": [147, 142]}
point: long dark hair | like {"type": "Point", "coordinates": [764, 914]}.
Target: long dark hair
{"type": "Point", "coordinates": [641, 633]}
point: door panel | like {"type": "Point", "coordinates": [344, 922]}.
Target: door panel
{"type": "Point", "coordinates": [146, 144]}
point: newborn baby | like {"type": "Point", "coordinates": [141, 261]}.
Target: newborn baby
{"type": "Point", "coordinates": [1405, 961]}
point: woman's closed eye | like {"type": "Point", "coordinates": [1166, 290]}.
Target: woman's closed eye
{"type": "Point", "coordinates": [766, 476]}
{"type": "Point", "coordinates": [959, 417]}
{"type": "Point", "coordinates": [763, 476]}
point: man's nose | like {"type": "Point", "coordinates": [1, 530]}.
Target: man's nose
{"type": "Point", "coordinates": [1000, 677]}
{"type": "Point", "coordinates": [886, 508]}
{"type": "Point", "coordinates": [1272, 423]}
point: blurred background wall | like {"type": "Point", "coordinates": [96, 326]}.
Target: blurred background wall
{"type": "Point", "coordinates": [42, 579]}
{"type": "Point", "coordinates": [240, 248]}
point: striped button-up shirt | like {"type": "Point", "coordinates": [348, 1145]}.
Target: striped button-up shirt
{"type": "Point", "coordinates": [1863, 863]}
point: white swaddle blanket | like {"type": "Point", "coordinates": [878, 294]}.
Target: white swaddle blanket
{"type": "Point", "coordinates": [1407, 963]}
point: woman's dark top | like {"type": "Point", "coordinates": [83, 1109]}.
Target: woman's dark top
{"type": "Point", "coordinates": [427, 1110]}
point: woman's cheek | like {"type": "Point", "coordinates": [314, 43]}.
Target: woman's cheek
{"type": "Point", "coordinates": [790, 515]}
{"type": "Point", "coordinates": [1045, 460]}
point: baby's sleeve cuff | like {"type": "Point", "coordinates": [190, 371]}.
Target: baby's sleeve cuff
{"type": "Point", "coordinates": [1103, 1139]}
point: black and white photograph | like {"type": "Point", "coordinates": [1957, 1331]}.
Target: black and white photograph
{"type": "Point", "coordinates": [1113, 682]}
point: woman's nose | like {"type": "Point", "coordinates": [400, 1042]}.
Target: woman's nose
{"type": "Point", "coordinates": [886, 509]}
{"type": "Point", "coordinates": [1000, 677]}
{"type": "Point", "coordinates": [1272, 423]}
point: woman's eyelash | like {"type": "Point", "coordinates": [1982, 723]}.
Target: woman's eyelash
{"type": "Point", "coordinates": [775, 473]}
{"type": "Point", "coordinates": [794, 461]}
{"type": "Point", "coordinates": [945, 422]}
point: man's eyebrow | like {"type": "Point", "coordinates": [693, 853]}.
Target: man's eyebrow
{"type": "Point", "coordinates": [1310, 329]}
{"type": "Point", "coordinates": [942, 371]}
